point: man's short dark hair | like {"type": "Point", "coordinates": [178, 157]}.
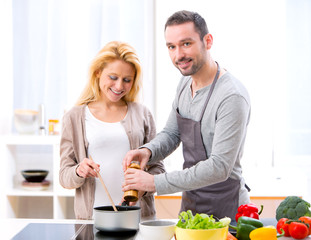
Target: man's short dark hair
{"type": "Point", "coordinates": [184, 16]}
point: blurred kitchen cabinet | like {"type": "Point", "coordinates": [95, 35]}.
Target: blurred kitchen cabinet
{"type": "Point", "coordinates": [20, 152]}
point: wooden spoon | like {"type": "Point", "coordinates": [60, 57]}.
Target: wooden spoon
{"type": "Point", "coordinates": [102, 182]}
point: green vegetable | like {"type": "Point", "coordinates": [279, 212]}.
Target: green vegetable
{"type": "Point", "coordinates": [293, 207]}
{"type": "Point", "coordinates": [244, 227]}
{"type": "Point", "coordinates": [200, 221]}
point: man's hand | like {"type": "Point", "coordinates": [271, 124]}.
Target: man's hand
{"type": "Point", "coordinates": [87, 168]}
{"type": "Point", "coordinates": [142, 155]}
{"type": "Point", "coordinates": [139, 180]}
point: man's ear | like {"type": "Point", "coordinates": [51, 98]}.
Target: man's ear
{"type": "Point", "coordinates": [208, 41]}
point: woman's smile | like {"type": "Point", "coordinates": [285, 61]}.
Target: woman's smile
{"type": "Point", "coordinates": [116, 92]}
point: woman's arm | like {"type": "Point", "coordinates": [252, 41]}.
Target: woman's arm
{"type": "Point", "coordinates": [68, 160]}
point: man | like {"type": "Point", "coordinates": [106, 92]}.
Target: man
{"type": "Point", "coordinates": [210, 115]}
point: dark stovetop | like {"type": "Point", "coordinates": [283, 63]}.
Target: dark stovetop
{"type": "Point", "coordinates": [58, 231]}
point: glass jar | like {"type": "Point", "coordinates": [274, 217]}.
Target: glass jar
{"type": "Point", "coordinates": [54, 127]}
{"type": "Point", "coordinates": [132, 195]}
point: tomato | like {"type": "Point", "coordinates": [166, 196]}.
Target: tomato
{"type": "Point", "coordinates": [307, 220]}
{"type": "Point", "coordinates": [298, 230]}
{"type": "Point", "coordinates": [282, 224]}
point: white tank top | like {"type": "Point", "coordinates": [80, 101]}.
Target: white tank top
{"type": "Point", "coordinates": [108, 144]}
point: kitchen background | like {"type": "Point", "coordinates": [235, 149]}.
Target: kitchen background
{"type": "Point", "coordinates": [46, 47]}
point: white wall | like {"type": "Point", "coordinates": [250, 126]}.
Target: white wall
{"type": "Point", "coordinates": [6, 66]}
{"type": "Point", "coordinates": [247, 45]}
{"type": "Point", "coordinates": [265, 44]}
{"type": "Point", "coordinates": [252, 39]}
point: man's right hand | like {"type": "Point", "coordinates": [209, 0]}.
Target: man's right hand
{"type": "Point", "coordinates": [142, 155]}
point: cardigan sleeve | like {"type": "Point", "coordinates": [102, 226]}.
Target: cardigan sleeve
{"type": "Point", "coordinates": [68, 159]}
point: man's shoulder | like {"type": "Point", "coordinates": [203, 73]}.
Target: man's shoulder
{"type": "Point", "coordinates": [229, 84]}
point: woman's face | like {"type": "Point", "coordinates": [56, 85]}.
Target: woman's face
{"type": "Point", "coordinates": [116, 80]}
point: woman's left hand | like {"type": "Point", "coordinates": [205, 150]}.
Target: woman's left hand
{"type": "Point", "coordinates": [139, 180]}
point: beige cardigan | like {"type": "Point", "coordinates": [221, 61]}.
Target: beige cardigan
{"type": "Point", "coordinates": [140, 128]}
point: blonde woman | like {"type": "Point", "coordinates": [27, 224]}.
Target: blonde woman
{"type": "Point", "coordinates": [105, 124]}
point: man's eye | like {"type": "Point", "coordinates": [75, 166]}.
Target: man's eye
{"type": "Point", "coordinates": [113, 77]}
{"type": "Point", "coordinates": [171, 47]}
{"type": "Point", "coordinates": [187, 44]}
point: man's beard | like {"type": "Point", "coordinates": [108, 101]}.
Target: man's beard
{"type": "Point", "coordinates": [194, 68]}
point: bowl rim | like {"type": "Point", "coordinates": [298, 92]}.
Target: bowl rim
{"type": "Point", "coordinates": [188, 229]}
{"type": "Point", "coordinates": [26, 111]}
{"type": "Point", "coordinates": [145, 223]}
{"type": "Point", "coordinates": [34, 172]}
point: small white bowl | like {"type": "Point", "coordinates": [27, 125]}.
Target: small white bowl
{"type": "Point", "coordinates": [157, 229]}
{"type": "Point", "coordinates": [26, 121]}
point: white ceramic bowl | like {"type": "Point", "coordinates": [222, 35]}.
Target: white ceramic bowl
{"type": "Point", "coordinates": [26, 121]}
{"type": "Point", "coordinates": [159, 229]}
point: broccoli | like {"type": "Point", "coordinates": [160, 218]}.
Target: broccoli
{"type": "Point", "coordinates": [293, 207]}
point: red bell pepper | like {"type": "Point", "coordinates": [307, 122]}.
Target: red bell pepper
{"type": "Point", "coordinates": [248, 210]}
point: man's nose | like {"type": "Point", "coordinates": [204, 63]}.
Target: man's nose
{"type": "Point", "coordinates": [179, 53]}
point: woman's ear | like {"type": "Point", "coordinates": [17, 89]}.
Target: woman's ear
{"type": "Point", "coordinates": [98, 73]}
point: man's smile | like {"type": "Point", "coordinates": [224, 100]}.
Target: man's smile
{"type": "Point", "coordinates": [184, 62]}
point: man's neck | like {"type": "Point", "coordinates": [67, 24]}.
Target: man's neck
{"type": "Point", "coordinates": [204, 77]}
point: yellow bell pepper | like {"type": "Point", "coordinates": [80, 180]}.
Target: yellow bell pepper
{"type": "Point", "coordinates": [265, 233]}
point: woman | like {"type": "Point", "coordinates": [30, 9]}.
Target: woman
{"type": "Point", "coordinates": [106, 123]}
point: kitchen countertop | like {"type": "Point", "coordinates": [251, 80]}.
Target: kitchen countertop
{"type": "Point", "coordinates": [14, 226]}
{"type": "Point", "coordinates": [70, 227]}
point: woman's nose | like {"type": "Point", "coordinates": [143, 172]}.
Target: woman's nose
{"type": "Point", "coordinates": [119, 84]}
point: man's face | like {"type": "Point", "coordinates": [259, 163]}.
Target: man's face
{"type": "Point", "coordinates": [186, 50]}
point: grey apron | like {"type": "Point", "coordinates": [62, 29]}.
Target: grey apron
{"type": "Point", "coordinates": [220, 199]}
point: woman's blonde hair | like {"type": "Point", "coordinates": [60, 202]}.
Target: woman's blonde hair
{"type": "Point", "coordinates": [112, 51]}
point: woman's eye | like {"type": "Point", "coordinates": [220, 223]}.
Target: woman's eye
{"type": "Point", "coordinates": [113, 77]}
{"type": "Point", "coordinates": [127, 80]}
{"type": "Point", "coordinates": [187, 44]}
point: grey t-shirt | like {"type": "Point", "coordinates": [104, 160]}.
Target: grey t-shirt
{"type": "Point", "coordinates": [224, 127]}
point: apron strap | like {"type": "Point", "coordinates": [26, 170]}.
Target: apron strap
{"type": "Point", "coordinates": [210, 91]}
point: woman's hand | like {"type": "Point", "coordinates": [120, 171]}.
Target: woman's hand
{"type": "Point", "coordinates": [139, 180]}
{"type": "Point", "coordinates": [87, 168]}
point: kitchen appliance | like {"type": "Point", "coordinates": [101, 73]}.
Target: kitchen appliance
{"type": "Point", "coordinates": [52, 231]}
